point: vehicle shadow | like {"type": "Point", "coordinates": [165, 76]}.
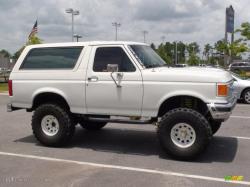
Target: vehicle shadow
{"type": "Point", "coordinates": [142, 142]}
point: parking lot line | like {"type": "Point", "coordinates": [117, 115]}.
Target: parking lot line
{"type": "Point", "coordinates": [240, 117]}
{"type": "Point", "coordinates": [169, 173]}
{"type": "Point", "coordinates": [241, 137]}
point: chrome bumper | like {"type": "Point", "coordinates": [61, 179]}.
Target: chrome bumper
{"type": "Point", "coordinates": [222, 111]}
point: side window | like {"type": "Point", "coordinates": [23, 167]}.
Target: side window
{"type": "Point", "coordinates": [112, 55]}
{"type": "Point", "coordinates": [52, 58]}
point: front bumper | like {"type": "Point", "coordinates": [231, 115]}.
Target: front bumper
{"type": "Point", "coordinates": [222, 111]}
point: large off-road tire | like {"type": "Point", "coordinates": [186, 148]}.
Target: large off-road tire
{"type": "Point", "coordinates": [215, 126]}
{"type": "Point", "coordinates": [92, 126]}
{"type": "Point", "coordinates": [52, 125]}
{"type": "Point", "coordinates": [246, 96]}
{"type": "Point", "coordinates": [184, 133]}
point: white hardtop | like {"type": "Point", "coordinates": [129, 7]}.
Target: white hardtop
{"type": "Point", "coordinates": [88, 43]}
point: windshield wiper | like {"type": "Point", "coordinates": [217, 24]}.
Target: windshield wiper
{"type": "Point", "coordinates": [153, 66]}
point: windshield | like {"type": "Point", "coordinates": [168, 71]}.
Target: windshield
{"type": "Point", "coordinates": [147, 56]}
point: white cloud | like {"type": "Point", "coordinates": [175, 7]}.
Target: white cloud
{"type": "Point", "coordinates": [187, 20]}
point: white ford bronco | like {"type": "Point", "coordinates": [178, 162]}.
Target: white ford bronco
{"type": "Point", "coordinates": [94, 83]}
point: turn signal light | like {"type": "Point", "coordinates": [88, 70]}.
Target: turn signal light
{"type": "Point", "coordinates": [222, 90]}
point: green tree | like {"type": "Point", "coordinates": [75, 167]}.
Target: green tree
{"type": "Point", "coordinates": [153, 46]}
{"type": "Point", "coordinates": [181, 52]}
{"type": "Point", "coordinates": [231, 49]}
{"type": "Point", "coordinates": [193, 60]}
{"type": "Point", "coordinates": [207, 50]}
{"type": "Point", "coordinates": [169, 50]}
{"type": "Point", "coordinates": [162, 53]}
{"type": "Point", "coordinates": [5, 53]}
{"type": "Point", "coordinates": [244, 30]}
{"type": "Point", "coordinates": [18, 53]}
{"type": "Point", "coordinates": [32, 41]}
{"type": "Point", "coordinates": [193, 48]}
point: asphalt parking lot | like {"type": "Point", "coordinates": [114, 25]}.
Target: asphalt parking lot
{"type": "Point", "coordinates": [119, 155]}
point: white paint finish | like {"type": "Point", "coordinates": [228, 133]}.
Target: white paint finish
{"type": "Point", "coordinates": [187, 74]}
{"type": "Point", "coordinates": [142, 92]}
{"type": "Point", "coordinates": [104, 97]}
{"type": "Point", "coordinates": [72, 91]}
{"type": "Point", "coordinates": [134, 169]}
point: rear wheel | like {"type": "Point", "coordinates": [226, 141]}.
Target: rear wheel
{"type": "Point", "coordinates": [52, 125]}
{"type": "Point", "coordinates": [246, 96]}
{"type": "Point", "coordinates": [184, 133]}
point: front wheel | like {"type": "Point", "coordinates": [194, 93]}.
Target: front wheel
{"type": "Point", "coordinates": [184, 133]}
{"type": "Point", "coordinates": [246, 96]}
{"type": "Point", "coordinates": [52, 125]}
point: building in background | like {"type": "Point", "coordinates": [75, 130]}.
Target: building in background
{"type": "Point", "coordinates": [6, 63]}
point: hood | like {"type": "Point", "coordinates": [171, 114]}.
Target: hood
{"type": "Point", "coordinates": [188, 74]}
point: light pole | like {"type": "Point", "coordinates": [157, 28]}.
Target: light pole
{"type": "Point", "coordinates": [77, 37]}
{"type": "Point", "coordinates": [178, 57]}
{"type": "Point", "coordinates": [144, 35]}
{"type": "Point", "coordinates": [73, 13]}
{"type": "Point", "coordinates": [116, 25]}
{"type": "Point", "coordinates": [163, 39]}
{"type": "Point", "coordinates": [176, 48]}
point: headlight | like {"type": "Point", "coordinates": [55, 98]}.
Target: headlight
{"type": "Point", "coordinates": [222, 90]}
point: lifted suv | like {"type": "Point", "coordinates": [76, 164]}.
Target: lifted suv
{"type": "Point", "coordinates": [93, 83]}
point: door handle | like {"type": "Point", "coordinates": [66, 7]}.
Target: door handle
{"type": "Point", "coordinates": [93, 79]}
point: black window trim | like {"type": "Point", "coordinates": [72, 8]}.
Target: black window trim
{"type": "Point", "coordinates": [124, 50]}
{"type": "Point", "coordinates": [56, 69]}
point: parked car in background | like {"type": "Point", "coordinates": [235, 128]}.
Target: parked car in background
{"type": "Point", "coordinates": [242, 88]}
{"type": "Point", "coordinates": [180, 65]}
{"type": "Point", "coordinates": [239, 66]}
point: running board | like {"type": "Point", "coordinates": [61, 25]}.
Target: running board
{"type": "Point", "coordinates": [108, 120]}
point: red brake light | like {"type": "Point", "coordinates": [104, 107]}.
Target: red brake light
{"type": "Point", "coordinates": [10, 88]}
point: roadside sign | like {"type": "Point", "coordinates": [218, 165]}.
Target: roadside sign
{"type": "Point", "coordinates": [230, 19]}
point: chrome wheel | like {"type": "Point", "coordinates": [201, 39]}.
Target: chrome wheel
{"type": "Point", "coordinates": [247, 96]}
{"type": "Point", "coordinates": [50, 125]}
{"type": "Point", "coordinates": [183, 135]}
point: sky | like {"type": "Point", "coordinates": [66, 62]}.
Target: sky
{"type": "Point", "coordinates": [202, 21]}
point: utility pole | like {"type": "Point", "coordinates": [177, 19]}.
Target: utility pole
{"type": "Point", "coordinates": [73, 13]}
{"type": "Point", "coordinates": [176, 48]}
{"type": "Point", "coordinates": [144, 35]}
{"type": "Point", "coordinates": [116, 25]}
{"type": "Point", "coordinates": [77, 37]}
{"type": "Point", "coordinates": [163, 39]}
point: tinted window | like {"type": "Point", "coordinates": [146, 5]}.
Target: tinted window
{"type": "Point", "coordinates": [112, 55]}
{"type": "Point", "coordinates": [52, 58]}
